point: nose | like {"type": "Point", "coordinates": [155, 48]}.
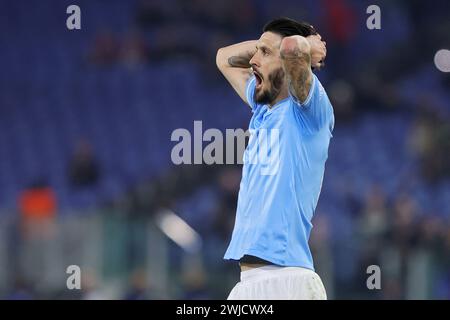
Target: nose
{"type": "Point", "coordinates": [254, 61]}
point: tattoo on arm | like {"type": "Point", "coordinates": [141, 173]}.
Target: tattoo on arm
{"type": "Point", "coordinates": [239, 62]}
{"type": "Point", "coordinates": [298, 70]}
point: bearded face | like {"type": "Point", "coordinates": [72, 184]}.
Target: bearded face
{"type": "Point", "coordinates": [266, 94]}
{"type": "Point", "coordinates": [267, 68]}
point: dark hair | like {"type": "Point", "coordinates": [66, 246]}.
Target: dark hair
{"type": "Point", "coordinates": [287, 27]}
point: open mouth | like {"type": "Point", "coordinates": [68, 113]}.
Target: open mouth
{"type": "Point", "coordinates": [259, 79]}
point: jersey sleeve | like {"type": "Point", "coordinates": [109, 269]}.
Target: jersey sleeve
{"type": "Point", "coordinates": [316, 112]}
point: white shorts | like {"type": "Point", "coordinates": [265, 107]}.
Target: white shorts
{"type": "Point", "coordinates": [279, 283]}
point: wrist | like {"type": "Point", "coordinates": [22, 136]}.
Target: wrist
{"type": "Point", "coordinates": [294, 46]}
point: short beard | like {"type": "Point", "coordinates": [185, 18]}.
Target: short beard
{"type": "Point", "coordinates": [276, 80]}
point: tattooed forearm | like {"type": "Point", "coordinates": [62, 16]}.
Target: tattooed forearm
{"type": "Point", "coordinates": [239, 61]}
{"type": "Point", "coordinates": [236, 56]}
{"type": "Point", "coordinates": [234, 63]}
{"type": "Point", "coordinates": [297, 66]}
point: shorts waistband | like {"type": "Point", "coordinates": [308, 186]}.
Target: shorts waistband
{"type": "Point", "coordinates": [270, 270]}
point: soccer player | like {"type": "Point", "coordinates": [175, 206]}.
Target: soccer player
{"type": "Point", "coordinates": [273, 75]}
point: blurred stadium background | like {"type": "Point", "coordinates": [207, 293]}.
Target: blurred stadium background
{"type": "Point", "coordinates": [85, 124]}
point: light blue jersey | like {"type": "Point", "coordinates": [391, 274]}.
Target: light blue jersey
{"type": "Point", "coordinates": [279, 193]}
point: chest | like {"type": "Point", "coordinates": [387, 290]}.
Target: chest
{"type": "Point", "coordinates": [267, 119]}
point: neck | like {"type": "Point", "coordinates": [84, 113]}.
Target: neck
{"type": "Point", "coordinates": [283, 95]}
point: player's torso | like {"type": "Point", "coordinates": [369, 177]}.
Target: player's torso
{"type": "Point", "coordinates": [282, 148]}
{"type": "Point", "coordinates": [282, 174]}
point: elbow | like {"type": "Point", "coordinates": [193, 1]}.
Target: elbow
{"type": "Point", "coordinates": [220, 59]}
{"type": "Point", "coordinates": [294, 46]}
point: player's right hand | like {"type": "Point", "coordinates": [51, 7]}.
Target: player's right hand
{"type": "Point", "coordinates": [318, 50]}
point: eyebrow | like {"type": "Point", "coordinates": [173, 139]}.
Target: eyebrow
{"type": "Point", "coordinates": [263, 46]}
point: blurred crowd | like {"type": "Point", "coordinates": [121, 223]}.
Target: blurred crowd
{"type": "Point", "coordinates": [368, 68]}
{"type": "Point", "coordinates": [366, 72]}
{"type": "Point", "coordinates": [409, 243]}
